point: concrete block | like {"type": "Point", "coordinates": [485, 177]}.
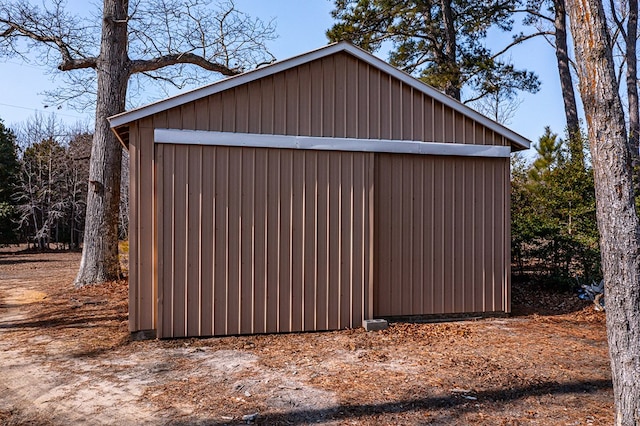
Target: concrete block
{"type": "Point", "coordinates": [375, 324]}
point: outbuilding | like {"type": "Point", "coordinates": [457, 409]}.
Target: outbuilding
{"type": "Point", "coordinates": [311, 194]}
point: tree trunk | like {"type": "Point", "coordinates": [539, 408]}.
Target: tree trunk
{"type": "Point", "coordinates": [100, 248]}
{"type": "Point", "coordinates": [617, 219]}
{"type": "Point", "coordinates": [632, 89]}
{"type": "Point", "coordinates": [566, 81]}
{"type": "Point", "coordinates": [452, 87]}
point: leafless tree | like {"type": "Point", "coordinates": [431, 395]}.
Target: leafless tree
{"type": "Point", "coordinates": [123, 225]}
{"type": "Point", "coordinates": [77, 179]}
{"type": "Point", "coordinates": [499, 104]}
{"type": "Point", "coordinates": [52, 187]}
{"type": "Point", "coordinates": [615, 199]}
{"type": "Point", "coordinates": [40, 194]}
{"type": "Point", "coordinates": [163, 40]}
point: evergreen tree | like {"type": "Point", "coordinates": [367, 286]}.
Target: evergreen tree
{"type": "Point", "coordinates": [550, 155]}
{"type": "Point", "coordinates": [441, 42]}
{"type": "Point", "coordinates": [554, 229]}
{"type": "Point", "coordinates": [9, 170]}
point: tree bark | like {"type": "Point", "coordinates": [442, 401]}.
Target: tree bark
{"type": "Point", "coordinates": [100, 248]}
{"type": "Point", "coordinates": [617, 218]}
{"type": "Point", "coordinates": [632, 89]}
{"type": "Point", "coordinates": [566, 81]}
{"type": "Point", "coordinates": [452, 87]}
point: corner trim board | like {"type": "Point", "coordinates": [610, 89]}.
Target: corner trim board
{"type": "Point", "coordinates": [255, 140]}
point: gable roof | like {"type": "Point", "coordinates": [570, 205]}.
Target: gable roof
{"type": "Point", "coordinates": [121, 120]}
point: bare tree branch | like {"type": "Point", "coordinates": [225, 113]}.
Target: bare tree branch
{"type": "Point", "coordinates": [77, 64]}
{"type": "Point", "coordinates": [520, 39]}
{"type": "Point", "coordinates": [142, 65]}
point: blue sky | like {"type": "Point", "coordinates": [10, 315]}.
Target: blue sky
{"type": "Point", "coordinates": [301, 26]}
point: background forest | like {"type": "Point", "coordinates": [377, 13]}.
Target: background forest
{"type": "Point", "coordinates": [44, 170]}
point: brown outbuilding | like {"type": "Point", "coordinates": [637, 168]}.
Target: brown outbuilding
{"type": "Point", "coordinates": [312, 194]}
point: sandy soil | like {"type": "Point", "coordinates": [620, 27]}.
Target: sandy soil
{"type": "Point", "coordinates": [66, 358]}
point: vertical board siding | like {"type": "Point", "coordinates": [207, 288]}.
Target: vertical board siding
{"type": "Point", "coordinates": [335, 96]}
{"type": "Point", "coordinates": [240, 247]}
{"type": "Point", "coordinates": [441, 235]}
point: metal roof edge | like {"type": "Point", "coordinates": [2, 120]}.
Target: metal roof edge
{"type": "Point", "coordinates": [224, 84]}
{"type": "Point", "coordinates": [285, 64]}
{"type": "Point", "coordinates": [437, 95]}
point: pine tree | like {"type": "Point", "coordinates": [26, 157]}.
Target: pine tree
{"type": "Point", "coordinates": [9, 169]}
{"type": "Point", "coordinates": [441, 42]}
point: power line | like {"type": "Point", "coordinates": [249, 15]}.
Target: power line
{"type": "Point", "coordinates": [24, 65]}
{"type": "Point", "coordinates": [43, 110]}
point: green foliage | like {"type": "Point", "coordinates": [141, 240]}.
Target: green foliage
{"type": "Point", "coordinates": [554, 230]}
{"type": "Point", "coordinates": [442, 42]}
{"type": "Point", "coordinates": [9, 170]}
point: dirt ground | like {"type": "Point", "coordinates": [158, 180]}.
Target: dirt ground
{"type": "Point", "coordinates": [66, 358]}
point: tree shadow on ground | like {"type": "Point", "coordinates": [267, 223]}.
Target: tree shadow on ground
{"type": "Point", "coordinates": [455, 406]}
{"type": "Point", "coordinates": [10, 260]}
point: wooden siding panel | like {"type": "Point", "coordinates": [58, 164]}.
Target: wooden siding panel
{"type": "Point", "coordinates": [180, 231]}
{"type": "Point", "coordinates": [208, 236]}
{"type": "Point", "coordinates": [406, 117]}
{"type": "Point", "coordinates": [145, 224]}
{"type": "Point", "coordinates": [234, 184]}
{"type": "Point", "coordinates": [194, 241]}
{"type": "Point", "coordinates": [201, 115]}
{"type": "Point", "coordinates": [304, 113]}
{"type": "Point", "coordinates": [438, 122]}
{"type": "Point", "coordinates": [298, 199]}
{"type": "Point", "coordinates": [267, 274]}
{"type": "Point", "coordinates": [328, 99]}
{"type": "Point", "coordinates": [386, 106]}
{"type": "Point", "coordinates": [286, 224]}
{"type": "Point", "coordinates": [242, 109]}
{"type": "Point", "coordinates": [134, 234]}
{"type": "Point", "coordinates": [273, 239]}
{"type": "Point", "coordinates": [310, 241]}
{"type": "Point", "coordinates": [267, 105]}
{"type": "Point", "coordinates": [317, 99]}
{"type": "Point", "coordinates": [247, 261]}
{"type": "Point", "coordinates": [351, 104]}
{"type": "Point", "coordinates": [323, 246]}
{"type": "Point", "coordinates": [215, 112]}
{"type": "Point", "coordinates": [279, 105]}
{"type": "Point", "coordinates": [374, 105]}
{"type": "Point", "coordinates": [261, 253]}
{"type": "Point", "coordinates": [449, 216]}
{"type": "Point", "coordinates": [449, 125]}
{"type": "Point", "coordinates": [364, 107]}
{"type": "Point", "coordinates": [221, 246]}
{"type": "Point", "coordinates": [340, 96]}
{"type": "Point", "coordinates": [336, 96]}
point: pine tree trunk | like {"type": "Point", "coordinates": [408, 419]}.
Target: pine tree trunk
{"type": "Point", "coordinates": [452, 87]}
{"type": "Point", "coordinates": [100, 248]}
{"type": "Point", "coordinates": [632, 88]}
{"type": "Point", "coordinates": [617, 219]}
{"type": "Point", "coordinates": [566, 81]}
